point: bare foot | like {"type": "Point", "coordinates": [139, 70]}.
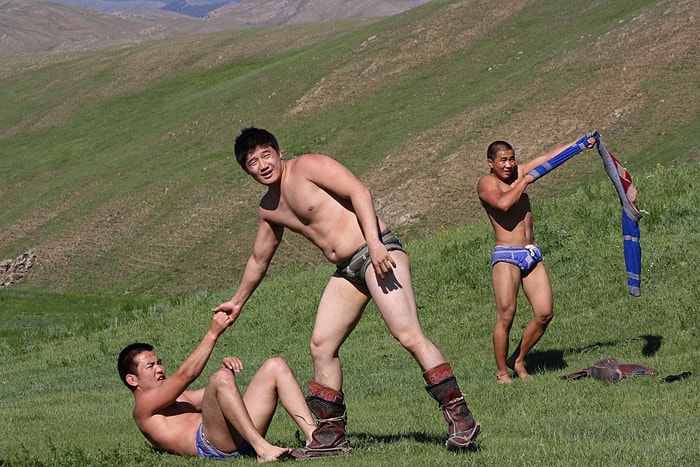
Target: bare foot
{"type": "Point", "coordinates": [273, 454]}
{"type": "Point", "coordinates": [519, 369]}
{"type": "Point", "coordinates": [503, 378]}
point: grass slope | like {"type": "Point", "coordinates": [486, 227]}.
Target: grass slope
{"type": "Point", "coordinates": [61, 403]}
{"type": "Point", "coordinates": [116, 165]}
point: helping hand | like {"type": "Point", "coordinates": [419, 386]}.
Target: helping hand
{"type": "Point", "coordinates": [220, 322]}
{"type": "Point", "coordinates": [230, 308]}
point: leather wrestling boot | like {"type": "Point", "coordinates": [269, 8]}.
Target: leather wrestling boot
{"type": "Point", "coordinates": [462, 427]}
{"type": "Point", "coordinates": [328, 439]}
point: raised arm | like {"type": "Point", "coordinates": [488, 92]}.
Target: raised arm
{"type": "Point", "coordinates": [266, 242]}
{"type": "Point", "coordinates": [153, 400]}
{"type": "Point", "coordinates": [539, 160]}
{"type": "Point", "coordinates": [549, 161]}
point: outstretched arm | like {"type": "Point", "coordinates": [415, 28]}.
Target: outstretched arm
{"type": "Point", "coordinates": [549, 161]}
{"type": "Point", "coordinates": [151, 401]}
{"type": "Point", "coordinates": [266, 242]}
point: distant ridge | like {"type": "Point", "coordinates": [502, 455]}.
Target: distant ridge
{"type": "Point", "coordinates": [29, 26]}
{"type": "Point", "coordinates": [197, 9]}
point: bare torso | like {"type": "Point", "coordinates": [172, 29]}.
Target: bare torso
{"type": "Point", "coordinates": [174, 428]}
{"type": "Point", "coordinates": [513, 227]}
{"type": "Point", "coordinates": [304, 206]}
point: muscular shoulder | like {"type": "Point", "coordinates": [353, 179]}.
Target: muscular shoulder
{"type": "Point", "coordinates": [319, 169]}
{"type": "Point", "coordinates": [489, 182]}
{"type": "Point", "coordinates": [310, 162]}
{"type": "Point", "coordinates": [486, 179]}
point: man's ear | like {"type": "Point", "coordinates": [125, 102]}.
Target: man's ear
{"type": "Point", "coordinates": [132, 380]}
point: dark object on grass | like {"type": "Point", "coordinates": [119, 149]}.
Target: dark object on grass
{"type": "Point", "coordinates": [672, 378]}
{"type": "Point", "coordinates": [610, 370]}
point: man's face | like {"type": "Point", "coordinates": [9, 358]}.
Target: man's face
{"type": "Point", "coordinates": [150, 372]}
{"type": "Point", "coordinates": [264, 164]}
{"type": "Point", "coordinates": [504, 166]}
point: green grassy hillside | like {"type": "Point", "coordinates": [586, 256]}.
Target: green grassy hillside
{"type": "Point", "coordinates": [116, 165]}
{"type": "Point", "coordinates": [61, 402]}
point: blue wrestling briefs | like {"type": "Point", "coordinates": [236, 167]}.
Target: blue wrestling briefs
{"type": "Point", "coordinates": [354, 268]}
{"type": "Point", "coordinates": [525, 258]}
{"type": "Point", "coordinates": [205, 449]}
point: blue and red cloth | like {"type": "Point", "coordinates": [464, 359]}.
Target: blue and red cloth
{"type": "Point", "coordinates": [627, 193]}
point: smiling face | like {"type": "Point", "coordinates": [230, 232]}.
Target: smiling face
{"type": "Point", "coordinates": [503, 165]}
{"type": "Point", "coordinates": [264, 164]}
{"type": "Point", "coordinates": [150, 372]}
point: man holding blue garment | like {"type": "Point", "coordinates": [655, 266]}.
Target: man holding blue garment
{"type": "Point", "coordinates": [517, 258]}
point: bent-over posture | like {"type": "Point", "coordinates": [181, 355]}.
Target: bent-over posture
{"type": "Point", "coordinates": [319, 198]}
{"type": "Point", "coordinates": [216, 421]}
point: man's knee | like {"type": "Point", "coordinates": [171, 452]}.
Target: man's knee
{"type": "Point", "coordinates": [544, 318]}
{"type": "Point", "coordinates": [321, 349]}
{"type": "Point", "coordinates": [505, 317]}
{"type": "Point", "coordinates": [222, 377]}
{"type": "Point", "coordinates": [275, 365]}
{"type": "Point", "coordinates": [413, 341]}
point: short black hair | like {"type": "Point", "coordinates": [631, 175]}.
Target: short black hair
{"type": "Point", "coordinates": [126, 364]}
{"type": "Point", "coordinates": [249, 140]}
{"type": "Point", "coordinates": [497, 146]}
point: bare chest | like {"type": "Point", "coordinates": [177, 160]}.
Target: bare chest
{"type": "Point", "coordinates": [299, 205]}
{"type": "Point", "coordinates": [178, 408]}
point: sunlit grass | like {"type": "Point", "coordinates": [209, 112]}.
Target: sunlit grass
{"type": "Point", "coordinates": [62, 403]}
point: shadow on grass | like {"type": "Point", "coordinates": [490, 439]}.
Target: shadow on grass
{"type": "Point", "coordinates": [368, 439]}
{"type": "Point", "coordinates": [652, 345]}
{"type": "Point", "coordinates": [553, 360]}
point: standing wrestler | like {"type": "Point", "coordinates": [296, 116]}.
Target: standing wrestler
{"type": "Point", "coordinates": [516, 259]}
{"type": "Point", "coordinates": [319, 198]}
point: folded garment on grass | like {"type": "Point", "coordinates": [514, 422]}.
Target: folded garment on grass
{"type": "Point", "coordinates": [610, 370]}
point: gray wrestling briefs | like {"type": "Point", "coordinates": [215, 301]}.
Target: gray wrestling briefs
{"type": "Point", "coordinates": [354, 268]}
{"type": "Point", "coordinates": [205, 449]}
{"type": "Point", "coordinates": [525, 258]}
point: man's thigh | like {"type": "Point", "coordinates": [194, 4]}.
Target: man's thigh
{"type": "Point", "coordinates": [394, 295]}
{"type": "Point", "coordinates": [506, 279]}
{"type": "Point", "coordinates": [214, 424]}
{"type": "Point", "coordinates": [338, 312]}
{"type": "Point", "coordinates": [538, 289]}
